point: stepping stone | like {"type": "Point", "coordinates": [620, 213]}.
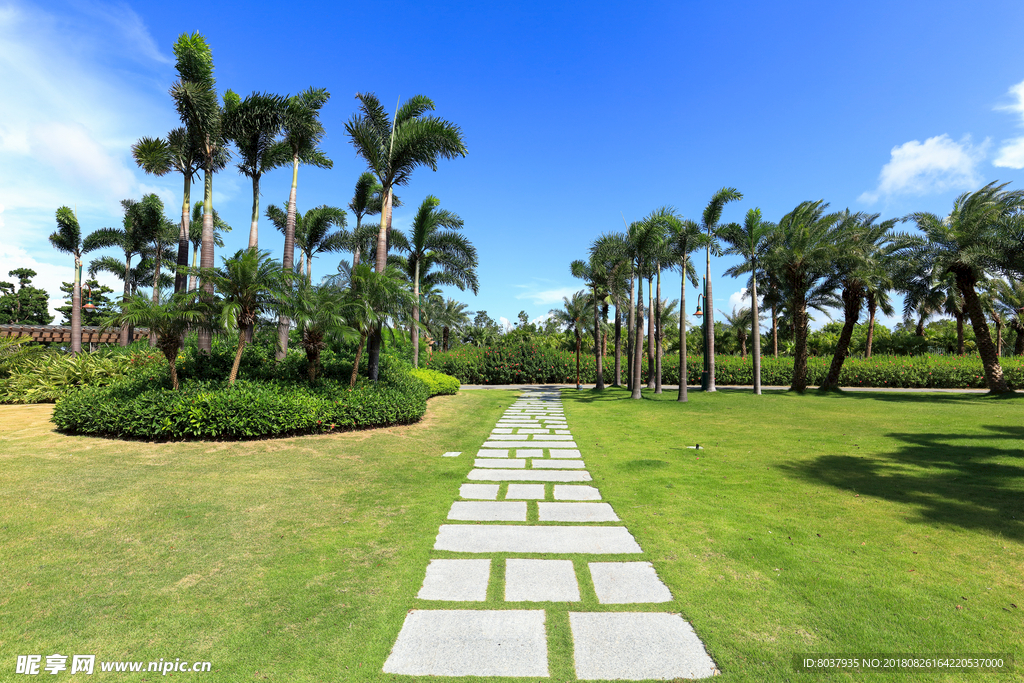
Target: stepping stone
{"type": "Point", "coordinates": [540, 581]}
{"type": "Point", "coordinates": [534, 431]}
{"type": "Point", "coordinates": [618, 583]}
{"type": "Point", "coordinates": [574, 512]}
{"type": "Point", "coordinates": [479, 511]}
{"type": "Point", "coordinates": [562, 431]}
{"type": "Point", "coordinates": [492, 453]}
{"type": "Point", "coordinates": [554, 437]}
{"type": "Point", "coordinates": [530, 453]}
{"type": "Point", "coordinates": [506, 437]}
{"type": "Point", "coordinates": [499, 538]}
{"type": "Point", "coordinates": [637, 646]}
{"type": "Point", "coordinates": [523, 491]}
{"type": "Point", "coordinates": [549, 464]}
{"type": "Point", "coordinates": [479, 491]}
{"type": "Point", "coordinates": [471, 643]}
{"type": "Point", "coordinates": [451, 454]}
{"type": "Point", "coordinates": [569, 492]}
{"type": "Point", "coordinates": [500, 431]}
{"type": "Point", "coordinates": [555, 453]}
{"type": "Point", "coordinates": [486, 474]}
{"type": "Point", "coordinates": [496, 462]}
{"type": "Point", "coordinates": [551, 443]}
{"type": "Point", "coordinates": [460, 580]}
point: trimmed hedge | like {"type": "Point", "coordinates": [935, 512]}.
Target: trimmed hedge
{"type": "Point", "coordinates": [204, 409]}
{"type": "Point", "coordinates": [437, 383]}
{"type": "Point", "coordinates": [532, 365]}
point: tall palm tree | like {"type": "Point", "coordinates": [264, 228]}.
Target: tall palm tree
{"type": "Point", "coordinates": [452, 317]}
{"type": "Point", "coordinates": [302, 135]}
{"type": "Point", "coordinates": [593, 275]}
{"type": "Point", "coordinates": [181, 152]}
{"type": "Point", "coordinates": [253, 125]}
{"type": "Point", "coordinates": [609, 251]}
{"type": "Point", "coordinates": [709, 223]}
{"type": "Point", "coordinates": [683, 237]}
{"type": "Point", "coordinates": [366, 201]}
{"type": "Point", "coordinates": [141, 219]}
{"type": "Point", "coordinates": [439, 254]}
{"type": "Point", "coordinates": [195, 96]}
{"type": "Point", "coordinates": [371, 299]}
{"type": "Point", "coordinates": [801, 258]}
{"type": "Point", "coordinates": [749, 241]}
{"type": "Point", "coordinates": [644, 241]}
{"type": "Point", "coordinates": [739, 321]}
{"type": "Point", "coordinates": [250, 284]}
{"type": "Point", "coordinates": [393, 148]}
{"type": "Point", "coordinates": [168, 321]}
{"type": "Point", "coordinates": [196, 238]}
{"type": "Point", "coordinates": [313, 234]}
{"type": "Point", "coordinates": [573, 318]}
{"type": "Point", "coordinates": [319, 311]}
{"type": "Point", "coordinates": [966, 244]}
{"type": "Point", "coordinates": [68, 239]}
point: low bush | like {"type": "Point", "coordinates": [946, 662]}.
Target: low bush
{"type": "Point", "coordinates": [45, 377]}
{"type": "Point", "coordinates": [437, 383]}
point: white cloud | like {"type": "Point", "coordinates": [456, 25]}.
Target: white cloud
{"type": "Point", "coordinates": [542, 294]}
{"type": "Point", "coordinates": [1011, 154]}
{"type": "Point", "coordinates": [506, 325]}
{"type": "Point", "coordinates": [935, 165]}
{"type": "Point", "coordinates": [740, 299]}
{"type": "Point", "coordinates": [541, 319]}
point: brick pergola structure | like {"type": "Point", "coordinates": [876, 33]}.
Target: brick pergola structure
{"type": "Point", "coordinates": [61, 334]}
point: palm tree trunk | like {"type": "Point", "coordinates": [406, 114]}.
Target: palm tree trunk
{"type": "Point", "coordinates": [597, 348]}
{"type": "Point", "coordinates": [205, 341]}
{"type": "Point", "coordinates": [709, 304]}
{"type": "Point", "coordinates": [683, 398]}
{"type": "Point", "coordinates": [359, 355]}
{"type": "Point", "coordinates": [800, 351]}
{"type": "Point", "coordinates": [288, 260]}
{"type": "Point", "coordinates": [1018, 343]}
{"type": "Point", "coordinates": [651, 336]}
{"type": "Point", "coordinates": [999, 337]}
{"type": "Point", "coordinates": [637, 349]}
{"type": "Point", "coordinates": [238, 358]}
{"type": "Point", "coordinates": [180, 278]}
{"type": "Point", "coordinates": [775, 330]}
{"type": "Point", "coordinates": [416, 315]}
{"type": "Point", "coordinates": [986, 349]}
{"type": "Point", "coordinates": [618, 346]}
{"type": "Point", "coordinates": [756, 329]}
{"type": "Point", "coordinates": [919, 330]}
{"type": "Point", "coordinates": [172, 362]}
{"type": "Point", "coordinates": [355, 242]}
{"type": "Point", "coordinates": [630, 336]}
{"type": "Point", "coordinates": [125, 335]}
{"type": "Point", "coordinates": [658, 334]}
{"type": "Point", "coordinates": [851, 313]}
{"type": "Point", "coordinates": [76, 309]}
{"type": "Point", "coordinates": [254, 231]}
{"type": "Point", "coordinates": [872, 305]}
{"type": "Point", "coordinates": [382, 236]}
{"type": "Point", "coordinates": [309, 267]}
{"type": "Point", "coordinates": [192, 283]}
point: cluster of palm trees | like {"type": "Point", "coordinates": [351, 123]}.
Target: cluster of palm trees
{"type": "Point", "coordinates": [267, 131]}
{"type": "Point", "coordinates": [969, 264]}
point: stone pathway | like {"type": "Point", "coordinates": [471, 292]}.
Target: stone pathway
{"type": "Point", "coordinates": [532, 443]}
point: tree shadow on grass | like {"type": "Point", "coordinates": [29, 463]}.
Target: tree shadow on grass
{"type": "Point", "coordinates": [971, 481]}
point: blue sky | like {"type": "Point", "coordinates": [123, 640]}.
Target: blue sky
{"type": "Point", "coordinates": [574, 115]}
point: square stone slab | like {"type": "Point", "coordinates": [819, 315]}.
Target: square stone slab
{"type": "Point", "coordinates": [618, 583]}
{"type": "Point", "coordinates": [575, 512]}
{"type": "Point", "coordinates": [479, 491]}
{"type": "Point", "coordinates": [492, 453]}
{"type": "Point", "coordinates": [463, 580]}
{"type": "Point", "coordinates": [471, 643]}
{"type": "Point", "coordinates": [540, 581]}
{"type": "Point", "coordinates": [481, 511]}
{"type": "Point", "coordinates": [570, 492]}
{"type": "Point", "coordinates": [529, 452]}
{"type": "Point", "coordinates": [488, 474]}
{"type": "Point", "coordinates": [503, 538]}
{"type": "Point", "coordinates": [547, 463]}
{"type": "Point", "coordinates": [523, 491]}
{"type": "Point", "coordinates": [637, 646]}
{"type": "Point", "coordinates": [451, 454]}
{"type": "Point", "coordinates": [556, 453]}
{"type": "Point", "coordinates": [522, 443]}
{"type": "Point", "coordinates": [498, 462]}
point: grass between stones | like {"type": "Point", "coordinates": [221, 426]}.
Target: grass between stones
{"type": "Point", "coordinates": [856, 523]}
{"type": "Point", "coordinates": [844, 523]}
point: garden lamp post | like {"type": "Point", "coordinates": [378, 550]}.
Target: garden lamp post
{"type": "Point", "coordinates": [705, 376]}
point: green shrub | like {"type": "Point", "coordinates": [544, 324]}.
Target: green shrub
{"type": "Point", "coordinates": [45, 377]}
{"type": "Point", "coordinates": [437, 382]}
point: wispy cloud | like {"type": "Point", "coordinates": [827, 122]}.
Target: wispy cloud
{"type": "Point", "coordinates": [1011, 153]}
{"type": "Point", "coordinates": [541, 292]}
{"type": "Point", "coordinates": [935, 165]}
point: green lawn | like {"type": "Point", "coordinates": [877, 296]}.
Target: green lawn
{"type": "Point", "coordinates": [854, 523]}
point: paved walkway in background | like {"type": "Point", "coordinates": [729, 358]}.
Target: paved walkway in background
{"type": "Point", "coordinates": [528, 494]}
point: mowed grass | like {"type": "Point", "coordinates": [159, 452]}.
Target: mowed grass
{"type": "Point", "coordinates": [847, 523]}
{"type": "Point", "coordinates": [855, 523]}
